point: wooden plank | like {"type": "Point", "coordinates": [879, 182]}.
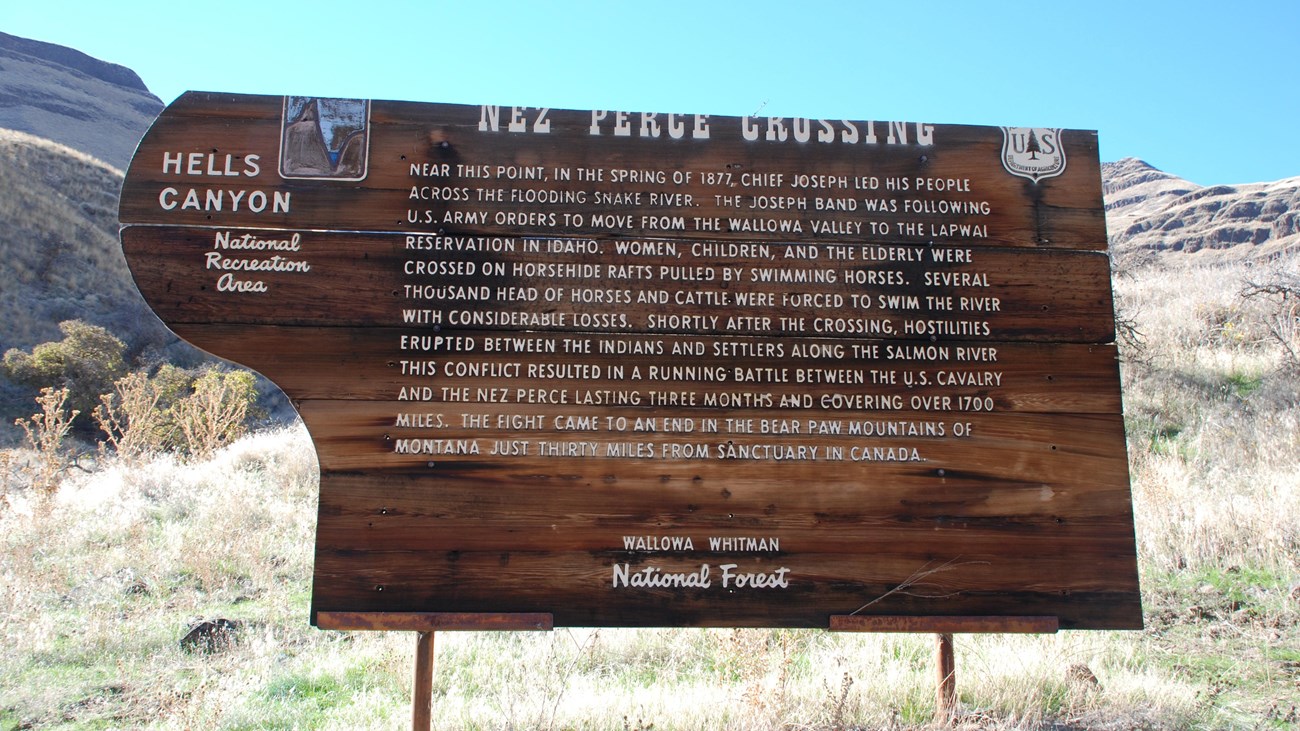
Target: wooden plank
{"type": "Point", "coordinates": [746, 185]}
{"type": "Point", "coordinates": [433, 621]}
{"type": "Point", "coordinates": [585, 590]}
{"type": "Point", "coordinates": [945, 625]}
{"type": "Point", "coordinates": [365, 280]}
{"type": "Point", "coordinates": [368, 364]}
{"type": "Point", "coordinates": [350, 434]}
{"type": "Point", "coordinates": [564, 513]}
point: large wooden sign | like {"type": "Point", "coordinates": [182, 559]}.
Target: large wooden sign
{"type": "Point", "coordinates": [663, 369]}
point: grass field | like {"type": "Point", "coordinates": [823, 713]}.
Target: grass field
{"type": "Point", "coordinates": [99, 585]}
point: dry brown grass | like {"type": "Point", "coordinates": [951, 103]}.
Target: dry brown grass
{"type": "Point", "coordinates": [95, 595]}
{"type": "Point", "coordinates": [1214, 432]}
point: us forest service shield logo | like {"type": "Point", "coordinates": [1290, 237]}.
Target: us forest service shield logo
{"type": "Point", "coordinates": [1033, 152]}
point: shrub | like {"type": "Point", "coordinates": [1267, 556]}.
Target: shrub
{"type": "Point", "coordinates": [46, 431]}
{"type": "Point", "coordinates": [1281, 287]}
{"type": "Point", "coordinates": [215, 412]}
{"type": "Point", "coordinates": [85, 364]}
{"type": "Point", "coordinates": [194, 413]}
{"type": "Point", "coordinates": [131, 418]}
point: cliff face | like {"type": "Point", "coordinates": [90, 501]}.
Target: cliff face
{"type": "Point", "coordinates": [1150, 213]}
{"type": "Point", "coordinates": [63, 95]}
{"type": "Point", "coordinates": [68, 124]}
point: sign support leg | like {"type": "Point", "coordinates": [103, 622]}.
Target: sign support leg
{"type": "Point", "coordinates": [946, 660]}
{"type": "Point", "coordinates": [422, 692]}
{"type": "Point", "coordinates": [424, 624]}
{"type": "Point", "coordinates": [944, 629]}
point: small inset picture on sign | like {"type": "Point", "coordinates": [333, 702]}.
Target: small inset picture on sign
{"type": "Point", "coordinates": [325, 138]}
{"type": "Point", "coordinates": [1033, 152]}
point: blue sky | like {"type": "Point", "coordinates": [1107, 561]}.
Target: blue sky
{"type": "Point", "coordinates": [1203, 90]}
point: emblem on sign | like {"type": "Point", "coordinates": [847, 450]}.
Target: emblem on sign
{"type": "Point", "coordinates": [324, 138]}
{"type": "Point", "coordinates": [1033, 152]}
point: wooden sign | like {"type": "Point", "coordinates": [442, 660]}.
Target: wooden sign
{"type": "Point", "coordinates": [661, 369]}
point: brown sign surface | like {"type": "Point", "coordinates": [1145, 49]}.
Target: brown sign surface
{"type": "Point", "coordinates": [662, 369]}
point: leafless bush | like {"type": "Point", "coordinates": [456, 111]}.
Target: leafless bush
{"type": "Point", "coordinates": [46, 431]}
{"type": "Point", "coordinates": [1281, 287]}
{"type": "Point", "coordinates": [131, 418]}
{"type": "Point", "coordinates": [214, 414]}
{"type": "Point", "coordinates": [7, 471]}
{"type": "Point", "coordinates": [1129, 338]}
{"type": "Point", "coordinates": [192, 414]}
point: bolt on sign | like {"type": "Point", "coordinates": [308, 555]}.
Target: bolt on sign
{"type": "Point", "coordinates": [663, 369]}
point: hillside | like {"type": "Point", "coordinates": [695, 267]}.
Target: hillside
{"type": "Point", "coordinates": [1149, 212]}
{"type": "Point", "coordinates": [64, 95]}
{"type": "Point", "coordinates": [58, 232]}
{"type": "Point", "coordinates": [69, 124]}
{"type": "Point", "coordinates": [63, 260]}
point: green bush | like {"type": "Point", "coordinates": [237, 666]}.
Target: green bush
{"type": "Point", "coordinates": [86, 362]}
{"type": "Point", "coordinates": [193, 412]}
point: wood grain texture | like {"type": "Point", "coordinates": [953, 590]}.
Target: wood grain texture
{"type": "Point", "coordinates": [1065, 211]}
{"type": "Point", "coordinates": [557, 375]}
{"type": "Point", "coordinates": [358, 279]}
{"type": "Point", "coordinates": [358, 363]}
{"type": "Point", "coordinates": [945, 625]}
{"type": "Point", "coordinates": [433, 622]}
